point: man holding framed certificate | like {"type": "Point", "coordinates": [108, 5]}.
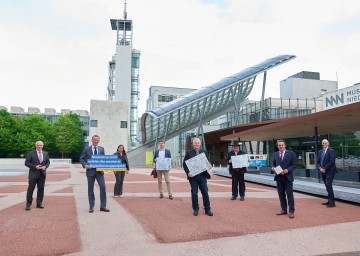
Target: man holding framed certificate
{"type": "Point", "coordinates": [284, 164]}
{"type": "Point", "coordinates": [238, 162]}
{"type": "Point", "coordinates": [196, 165]}
{"type": "Point", "coordinates": [162, 160]}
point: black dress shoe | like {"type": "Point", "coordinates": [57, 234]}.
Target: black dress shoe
{"type": "Point", "coordinates": [242, 198]}
{"type": "Point", "coordinates": [282, 212]}
{"type": "Point", "coordinates": [327, 203]}
{"type": "Point", "coordinates": [104, 210]}
{"type": "Point", "coordinates": [28, 208]}
{"type": "Point", "coordinates": [91, 210]}
{"type": "Point", "coordinates": [196, 213]}
{"type": "Point", "coordinates": [209, 213]}
{"type": "Point", "coordinates": [233, 198]}
{"type": "Point", "coordinates": [40, 206]}
{"type": "Point", "coordinates": [330, 205]}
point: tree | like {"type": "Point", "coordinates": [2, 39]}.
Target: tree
{"type": "Point", "coordinates": [8, 131]}
{"type": "Point", "coordinates": [33, 128]}
{"type": "Point", "coordinates": [69, 134]}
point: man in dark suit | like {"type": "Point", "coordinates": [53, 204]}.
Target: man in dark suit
{"type": "Point", "coordinates": [162, 152]}
{"type": "Point", "coordinates": [286, 159]}
{"type": "Point", "coordinates": [93, 175]}
{"type": "Point", "coordinates": [198, 181]}
{"type": "Point", "coordinates": [37, 161]}
{"type": "Point", "coordinates": [237, 174]}
{"type": "Point", "coordinates": [327, 168]}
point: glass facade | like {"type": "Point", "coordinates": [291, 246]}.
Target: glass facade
{"type": "Point", "coordinates": [135, 66]}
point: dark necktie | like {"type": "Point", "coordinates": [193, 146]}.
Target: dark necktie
{"type": "Point", "coordinates": [95, 151]}
{"type": "Point", "coordinates": [322, 158]}
{"type": "Point", "coordinates": [281, 156]}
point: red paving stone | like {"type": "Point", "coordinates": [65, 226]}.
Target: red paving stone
{"type": "Point", "coordinates": [50, 176]}
{"type": "Point", "coordinates": [13, 189]}
{"type": "Point", "coordinates": [169, 221]}
{"type": "Point", "coordinates": [231, 218]}
{"type": "Point", "coordinates": [50, 231]}
{"type": "Point", "coordinates": [17, 178]}
{"type": "Point", "coordinates": [65, 190]}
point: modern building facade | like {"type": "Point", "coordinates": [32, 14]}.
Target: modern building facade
{"type": "Point", "coordinates": [108, 119]}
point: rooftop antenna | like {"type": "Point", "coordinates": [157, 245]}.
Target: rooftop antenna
{"type": "Point", "coordinates": [125, 13]}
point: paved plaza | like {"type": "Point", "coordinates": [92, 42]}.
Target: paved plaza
{"type": "Point", "coordinates": [141, 223]}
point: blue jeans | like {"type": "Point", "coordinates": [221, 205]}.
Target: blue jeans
{"type": "Point", "coordinates": [199, 181]}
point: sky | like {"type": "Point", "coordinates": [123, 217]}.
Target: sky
{"type": "Point", "coordinates": [55, 53]}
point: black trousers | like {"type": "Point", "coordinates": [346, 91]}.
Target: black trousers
{"type": "Point", "coordinates": [40, 182]}
{"type": "Point", "coordinates": [238, 184]}
{"type": "Point", "coordinates": [118, 187]}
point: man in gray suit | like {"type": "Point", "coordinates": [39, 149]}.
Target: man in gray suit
{"type": "Point", "coordinates": [93, 175]}
{"type": "Point", "coordinates": [37, 161]}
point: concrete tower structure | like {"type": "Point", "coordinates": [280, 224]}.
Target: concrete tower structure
{"type": "Point", "coordinates": [124, 73]}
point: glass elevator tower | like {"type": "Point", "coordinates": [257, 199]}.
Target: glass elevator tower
{"type": "Point", "coordinates": [123, 84]}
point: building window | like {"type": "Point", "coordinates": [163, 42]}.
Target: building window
{"type": "Point", "coordinates": [166, 98]}
{"type": "Point", "coordinates": [123, 124]}
{"type": "Point", "coordinates": [93, 123]}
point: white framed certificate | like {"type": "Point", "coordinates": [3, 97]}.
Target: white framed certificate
{"type": "Point", "coordinates": [278, 169]}
{"type": "Point", "coordinates": [239, 161]}
{"type": "Point", "coordinates": [163, 164]}
{"type": "Point", "coordinates": [198, 164]}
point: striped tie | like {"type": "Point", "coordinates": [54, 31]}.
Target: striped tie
{"type": "Point", "coordinates": [40, 157]}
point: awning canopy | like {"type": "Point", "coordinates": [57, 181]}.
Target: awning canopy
{"type": "Point", "coordinates": [341, 119]}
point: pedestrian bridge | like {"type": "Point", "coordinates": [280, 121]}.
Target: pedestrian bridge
{"type": "Point", "coordinates": [205, 104]}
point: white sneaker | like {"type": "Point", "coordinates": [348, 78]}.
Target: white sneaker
{"type": "Point", "coordinates": [121, 196]}
{"type": "Point", "coordinates": [116, 196]}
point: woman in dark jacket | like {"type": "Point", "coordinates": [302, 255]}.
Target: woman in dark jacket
{"type": "Point", "coordinates": [118, 188]}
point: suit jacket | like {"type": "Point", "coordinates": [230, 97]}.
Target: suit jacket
{"type": "Point", "coordinates": [329, 160]}
{"type": "Point", "coordinates": [156, 155]}
{"type": "Point", "coordinates": [288, 162]}
{"type": "Point", "coordinates": [231, 169]}
{"type": "Point", "coordinates": [32, 160]}
{"type": "Point", "coordinates": [167, 154]}
{"type": "Point", "coordinates": [190, 154]}
{"type": "Point", "coordinates": [86, 154]}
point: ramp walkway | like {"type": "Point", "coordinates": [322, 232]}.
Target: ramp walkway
{"type": "Point", "coordinates": [341, 192]}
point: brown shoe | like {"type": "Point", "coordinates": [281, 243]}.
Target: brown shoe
{"type": "Point", "coordinates": [161, 196]}
{"type": "Point", "coordinates": [104, 210]}
{"type": "Point", "coordinates": [291, 215]}
{"type": "Point", "coordinates": [282, 212]}
{"type": "Point", "coordinates": [91, 210]}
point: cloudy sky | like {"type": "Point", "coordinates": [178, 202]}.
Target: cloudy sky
{"type": "Point", "coordinates": [55, 53]}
